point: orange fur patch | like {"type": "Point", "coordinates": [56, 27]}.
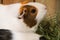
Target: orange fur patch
{"type": "Point", "coordinates": [24, 2]}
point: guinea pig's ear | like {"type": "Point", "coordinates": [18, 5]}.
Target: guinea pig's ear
{"type": "Point", "coordinates": [24, 2]}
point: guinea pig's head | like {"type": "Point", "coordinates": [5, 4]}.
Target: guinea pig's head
{"type": "Point", "coordinates": [32, 13]}
{"type": "Point", "coordinates": [28, 14]}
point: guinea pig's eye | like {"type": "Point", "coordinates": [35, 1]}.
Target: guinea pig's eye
{"type": "Point", "coordinates": [33, 11]}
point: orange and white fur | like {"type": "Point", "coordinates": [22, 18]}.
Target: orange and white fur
{"type": "Point", "coordinates": [9, 20]}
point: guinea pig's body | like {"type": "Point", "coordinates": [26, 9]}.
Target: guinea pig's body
{"type": "Point", "coordinates": [12, 35]}
{"type": "Point", "coordinates": [9, 17]}
{"type": "Point", "coordinates": [16, 28]}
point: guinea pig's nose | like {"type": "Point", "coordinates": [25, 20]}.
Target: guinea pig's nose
{"type": "Point", "coordinates": [42, 38]}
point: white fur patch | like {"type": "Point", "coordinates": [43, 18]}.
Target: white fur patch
{"type": "Point", "coordinates": [25, 36]}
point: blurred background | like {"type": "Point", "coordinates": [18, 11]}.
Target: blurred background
{"type": "Point", "coordinates": [50, 25]}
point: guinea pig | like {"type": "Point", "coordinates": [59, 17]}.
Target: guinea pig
{"type": "Point", "coordinates": [6, 34]}
{"type": "Point", "coordinates": [20, 22]}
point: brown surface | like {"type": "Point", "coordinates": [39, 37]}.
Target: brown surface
{"type": "Point", "coordinates": [58, 12]}
{"type": "Point", "coordinates": [51, 7]}
{"type": "Point", "coordinates": [14, 1]}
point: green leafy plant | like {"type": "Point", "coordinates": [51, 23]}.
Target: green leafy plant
{"type": "Point", "coordinates": [49, 28]}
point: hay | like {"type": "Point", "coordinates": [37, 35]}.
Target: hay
{"type": "Point", "coordinates": [49, 28]}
